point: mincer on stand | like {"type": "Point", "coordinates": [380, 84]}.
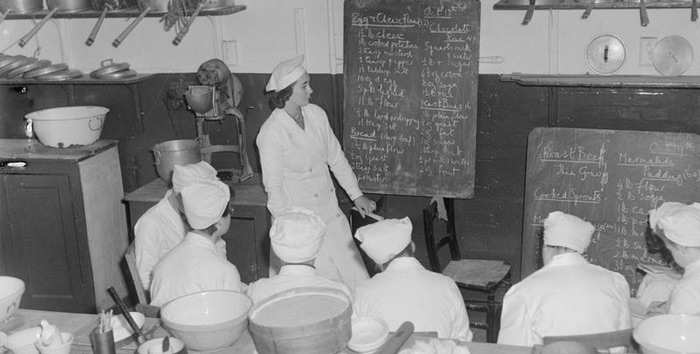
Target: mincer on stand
{"type": "Point", "coordinates": [216, 98]}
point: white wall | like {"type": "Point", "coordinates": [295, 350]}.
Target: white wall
{"type": "Point", "coordinates": [269, 31]}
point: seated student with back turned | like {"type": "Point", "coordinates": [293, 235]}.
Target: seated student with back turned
{"type": "Point", "coordinates": [162, 227]}
{"type": "Point", "coordinates": [568, 296]}
{"type": "Point", "coordinates": [196, 264]}
{"type": "Point", "coordinates": [678, 225]}
{"type": "Point", "coordinates": [296, 238]}
{"type": "Point", "coordinates": [405, 290]}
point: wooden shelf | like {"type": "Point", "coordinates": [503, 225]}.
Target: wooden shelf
{"type": "Point", "coordinates": [582, 5]}
{"type": "Point", "coordinates": [629, 81]}
{"type": "Point", "coordinates": [84, 80]}
{"type": "Point", "coordinates": [131, 12]}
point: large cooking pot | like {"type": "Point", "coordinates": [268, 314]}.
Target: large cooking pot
{"type": "Point", "coordinates": [21, 6]}
{"type": "Point", "coordinates": [175, 152]}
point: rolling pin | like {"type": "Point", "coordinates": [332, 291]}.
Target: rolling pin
{"type": "Point", "coordinates": [393, 345]}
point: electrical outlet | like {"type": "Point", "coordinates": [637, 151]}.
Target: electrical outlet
{"type": "Point", "coordinates": [646, 50]}
{"type": "Point", "coordinates": [230, 49]}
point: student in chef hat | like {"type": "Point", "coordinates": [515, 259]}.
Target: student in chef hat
{"type": "Point", "coordinates": [568, 295]}
{"type": "Point", "coordinates": [678, 226]}
{"type": "Point", "coordinates": [195, 265]}
{"type": "Point", "coordinates": [162, 227]}
{"type": "Point", "coordinates": [296, 238]}
{"type": "Point", "coordinates": [405, 290]}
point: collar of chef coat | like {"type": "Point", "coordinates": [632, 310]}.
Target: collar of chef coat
{"type": "Point", "coordinates": [567, 259]}
{"type": "Point", "coordinates": [201, 241]}
{"type": "Point", "coordinates": [404, 263]}
{"type": "Point", "coordinates": [310, 131]}
{"type": "Point", "coordinates": [297, 270]}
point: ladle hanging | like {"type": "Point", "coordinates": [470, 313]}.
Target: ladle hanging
{"type": "Point", "coordinates": [93, 34]}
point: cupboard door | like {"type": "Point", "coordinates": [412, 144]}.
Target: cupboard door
{"type": "Point", "coordinates": [42, 244]}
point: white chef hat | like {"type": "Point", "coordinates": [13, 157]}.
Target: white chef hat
{"type": "Point", "coordinates": [184, 176]}
{"type": "Point", "coordinates": [296, 235]}
{"type": "Point", "coordinates": [568, 231]}
{"type": "Point", "coordinates": [666, 209]}
{"type": "Point", "coordinates": [285, 73]}
{"type": "Point", "coordinates": [680, 223]}
{"type": "Point", "coordinates": [384, 239]}
{"type": "Point", "coordinates": [205, 203]}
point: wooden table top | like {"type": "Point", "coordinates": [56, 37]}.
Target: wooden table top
{"type": "Point", "coordinates": [81, 325]}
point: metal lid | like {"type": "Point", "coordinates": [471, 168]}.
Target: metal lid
{"type": "Point", "coordinates": [9, 59]}
{"type": "Point", "coordinates": [45, 70]}
{"type": "Point", "coordinates": [117, 75]}
{"type": "Point", "coordinates": [605, 54]}
{"type": "Point", "coordinates": [61, 75]}
{"type": "Point", "coordinates": [16, 64]}
{"type": "Point", "coordinates": [15, 73]}
{"type": "Point", "coordinates": [108, 67]}
{"type": "Point", "coordinates": [672, 56]}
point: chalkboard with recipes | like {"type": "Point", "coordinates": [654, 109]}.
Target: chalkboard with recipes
{"type": "Point", "coordinates": [411, 71]}
{"type": "Point", "coordinates": [611, 179]}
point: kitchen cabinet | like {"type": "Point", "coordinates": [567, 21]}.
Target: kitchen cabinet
{"type": "Point", "coordinates": [63, 227]}
{"type": "Point", "coordinates": [247, 241]}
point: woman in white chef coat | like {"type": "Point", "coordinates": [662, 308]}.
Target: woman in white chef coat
{"type": "Point", "coordinates": [297, 148]}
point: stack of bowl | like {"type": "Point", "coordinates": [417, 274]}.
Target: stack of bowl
{"type": "Point", "coordinates": [669, 334]}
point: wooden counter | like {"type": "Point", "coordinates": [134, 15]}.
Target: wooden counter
{"type": "Point", "coordinates": [82, 324]}
{"type": "Point", "coordinates": [247, 242]}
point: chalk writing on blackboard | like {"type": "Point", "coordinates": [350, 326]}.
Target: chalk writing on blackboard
{"type": "Point", "coordinates": [410, 84]}
{"type": "Point", "coordinates": [611, 179]}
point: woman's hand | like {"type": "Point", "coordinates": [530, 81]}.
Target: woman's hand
{"type": "Point", "coordinates": [364, 205]}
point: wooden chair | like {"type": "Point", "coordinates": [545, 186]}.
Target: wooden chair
{"type": "Point", "coordinates": [601, 341]}
{"type": "Point", "coordinates": [142, 296]}
{"type": "Point", "coordinates": [486, 276]}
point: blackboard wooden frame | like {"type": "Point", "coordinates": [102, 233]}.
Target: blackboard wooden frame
{"type": "Point", "coordinates": [611, 178]}
{"type": "Point", "coordinates": [410, 83]}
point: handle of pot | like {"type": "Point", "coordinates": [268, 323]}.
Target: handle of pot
{"type": "Point", "coordinates": [93, 34]}
{"type": "Point", "coordinates": [156, 155]}
{"type": "Point", "coordinates": [185, 29]}
{"type": "Point", "coordinates": [130, 28]}
{"type": "Point", "coordinates": [4, 14]}
{"type": "Point", "coordinates": [27, 37]}
{"type": "Point", "coordinates": [97, 119]}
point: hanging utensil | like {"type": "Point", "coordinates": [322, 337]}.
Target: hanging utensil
{"type": "Point", "coordinates": [138, 335]}
{"type": "Point", "coordinates": [589, 9]}
{"type": "Point", "coordinates": [132, 25]}
{"type": "Point", "coordinates": [694, 10]}
{"type": "Point", "coordinates": [530, 11]}
{"type": "Point", "coordinates": [23, 41]}
{"type": "Point", "coordinates": [93, 34]}
{"type": "Point", "coordinates": [184, 30]}
{"type": "Point", "coordinates": [643, 13]}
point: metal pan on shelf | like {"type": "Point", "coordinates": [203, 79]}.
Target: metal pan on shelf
{"type": "Point", "coordinates": [108, 67]}
{"type": "Point", "coordinates": [46, 70]}
{"type": "Point", "coordinates": [16, 64]}
{"type": "Point", "coordinates": [124, 74]}
{"type": "Point", "coordinates": [9, 59]}
{"type": "Point", "coordinates": [18, 72]}
{"type": "Point", "coordinates": [61, 75]}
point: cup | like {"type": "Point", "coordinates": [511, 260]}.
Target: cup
{"type": "Point", "coordinates": [102, 342]}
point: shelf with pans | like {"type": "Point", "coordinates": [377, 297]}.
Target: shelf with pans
{"type": "Point", "coordinates": [130, 12]}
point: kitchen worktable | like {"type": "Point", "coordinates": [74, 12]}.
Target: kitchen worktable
{"type": "Point", "coordinates": [82, 324]}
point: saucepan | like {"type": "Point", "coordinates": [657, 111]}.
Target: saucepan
{"type": "Point", "coordinates": [145, 6]}
{"type": "Point", "coordinates": [106, 6]}
{"type": "Point", "coordinates": [21, 6]}
{"type": "Point", "coordinates": [55, 6]}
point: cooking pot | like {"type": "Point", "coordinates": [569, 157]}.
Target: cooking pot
{"type": "Point", "coordinates": [21, 6]}
{"type": "Point", "coordinates": [98, 5]}
{"type": "Point", "coordinates": [168, 154]}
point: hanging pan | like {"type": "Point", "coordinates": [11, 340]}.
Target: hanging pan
{"type": "Point", "coordinates": [145, 6]}
{"type": "Point", "coordinates": [21, 6]}
{"type": "Point", "coordinates": [55, 6]}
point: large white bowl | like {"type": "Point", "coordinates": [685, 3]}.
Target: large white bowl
{"type": "Point", "coordinates": [23, 342]}
{"type": "Point", "coordinates": [207, 320]}
{"type": "Point", "coordinates": [64, 127]}
{"type": "Point", "coordinates": [669, 334]}
{"type": "Point", "coordinates": [11, 290]}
